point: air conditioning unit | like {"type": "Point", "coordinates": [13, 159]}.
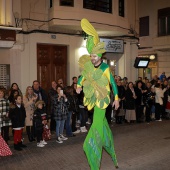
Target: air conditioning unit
{"type": "Point", "coordinates": [8, 36]}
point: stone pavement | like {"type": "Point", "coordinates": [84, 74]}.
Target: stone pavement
{"type": "Point", "coordinates": [138, 147]}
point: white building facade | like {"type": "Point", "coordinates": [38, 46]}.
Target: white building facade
{"type": "Point", "coordinates": [57, 22]}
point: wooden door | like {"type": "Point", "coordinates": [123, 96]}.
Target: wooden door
{"type": "Point", "coordinates": [51, 64]}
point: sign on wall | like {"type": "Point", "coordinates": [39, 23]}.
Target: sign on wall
{"type": "Point", "coordinates": [114, 46]}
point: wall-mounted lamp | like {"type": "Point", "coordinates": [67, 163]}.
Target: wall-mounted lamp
{"type": "Point", "coordinates": [152, 57]}
{"type": "Point", "coordinates": [112, 63]}
{"type": "Point", "coordinates": [137, 43]}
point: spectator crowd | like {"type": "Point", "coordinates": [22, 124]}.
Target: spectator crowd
{"type": "Point", "coordinates": [61, 110]}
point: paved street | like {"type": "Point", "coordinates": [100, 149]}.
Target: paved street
{"type": "Point", "coordinates": [138, 147]}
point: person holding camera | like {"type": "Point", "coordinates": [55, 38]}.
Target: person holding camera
{"type": "Point", "coordinates": [60, 113]}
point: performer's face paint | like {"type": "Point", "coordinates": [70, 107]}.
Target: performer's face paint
{"type": "Point", "coordinates": [95, 59]}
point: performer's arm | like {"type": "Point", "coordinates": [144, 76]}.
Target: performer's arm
{"type": "Point", "coordinates": [112, 82]}
{"type": "Point", "coordinates": [80, 84]}
{"type": "Point", "coordinates": [114, 88]}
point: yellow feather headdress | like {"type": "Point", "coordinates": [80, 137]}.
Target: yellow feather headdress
{"type": "Point", "coordinates": [93, 45]}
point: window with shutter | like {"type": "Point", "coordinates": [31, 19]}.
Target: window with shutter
{"type": "Point", "coordinates": [5, 75]}
{"type": "Point", "coordinates": [144, 26]}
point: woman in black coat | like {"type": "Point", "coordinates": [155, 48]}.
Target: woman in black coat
{"type": "Point", "coordinates": [130, 97]}
{"type": "Point", "coordinates": [140, 92]}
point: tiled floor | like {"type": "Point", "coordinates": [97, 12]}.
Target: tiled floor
{"type": "Point", "coordinates": [138, 147]}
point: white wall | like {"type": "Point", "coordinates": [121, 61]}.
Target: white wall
{"type": "Point", "coordinates": [12, 57]}
{"type": "Point", "coordinates": [164, 63]}
{"type": "Point", "coordinates": [22, 57]}
{"type": "Point", "coordinates": [29, 55]}
{"type": "Point", "coordinates": [130, 55]}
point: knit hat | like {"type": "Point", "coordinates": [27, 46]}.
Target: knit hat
{"type": "Point", "coordinates": [39, 102]}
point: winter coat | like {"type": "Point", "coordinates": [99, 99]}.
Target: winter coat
{"type": "Point", "coordinates": [4, 109]}
{"type": "Point", "coordinates": [38, 117]}
{"type": "Point", "coordinates": [130, 101]}
{"type": "Point", "coordinates": [121, 95]}
{"type": "Point", "coordinates": [73, 103]}
{"type": "Point", "coordinates": [149, 98]}
{"type": "Point", "coordinates": [44, 96]}
{"type": "Point", "coordinates": [29, 107]}
{"type": "Point", "coordinates": [17, 115]}
{"type": "Point", "coordinates": [51, 95]}
{"type": "Point", "coordinates": [159, 94]}
{"type": "Point", "coordinates": [139, 100]}
{"type": "Point", "coordinates": [60, 108]}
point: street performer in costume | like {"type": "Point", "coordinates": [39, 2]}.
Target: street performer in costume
{"type": "Point", "coordinates": [95, 80]}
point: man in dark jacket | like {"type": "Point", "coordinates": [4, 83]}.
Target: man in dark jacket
{"type": "Point", "coordinates": [52, 92]}
{"type": "Point", "coordinates": [40, 93]}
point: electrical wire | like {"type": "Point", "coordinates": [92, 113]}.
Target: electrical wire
{"type": "Point", "coordinates": [75, 20]}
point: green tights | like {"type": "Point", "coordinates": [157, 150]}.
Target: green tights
{"type": "Point", "coordinates": [99, 136]}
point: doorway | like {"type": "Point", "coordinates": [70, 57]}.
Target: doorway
{"type": "Point", "coordinates": [51, 64]}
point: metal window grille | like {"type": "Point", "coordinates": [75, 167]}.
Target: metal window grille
{"type": "Point", "coordinates": [4, 76]}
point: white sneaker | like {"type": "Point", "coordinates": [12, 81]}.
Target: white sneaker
{"type": "Point", "coordinates": [77, 131]}
{"type": "Point", "coordinates": [83, 129]}
{"type": "Point", "coordinates": [59, 140]}
{"type": "Point", "coordinates": [40, 145]}
{"type": "Point", "coordinates": [159, 120]}
{"type": "Point", "coordinates": [63, 137]}
{"type": "Point", "coordinates": [43, 142]}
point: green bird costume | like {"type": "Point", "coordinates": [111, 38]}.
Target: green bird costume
{"type": "Point", "coordinates": [96, 87]}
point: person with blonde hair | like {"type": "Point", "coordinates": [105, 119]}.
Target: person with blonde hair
{"type": "Point", "coordinates": [29, 103]}
{"type": "Point", "coordinates": [39, 120]}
